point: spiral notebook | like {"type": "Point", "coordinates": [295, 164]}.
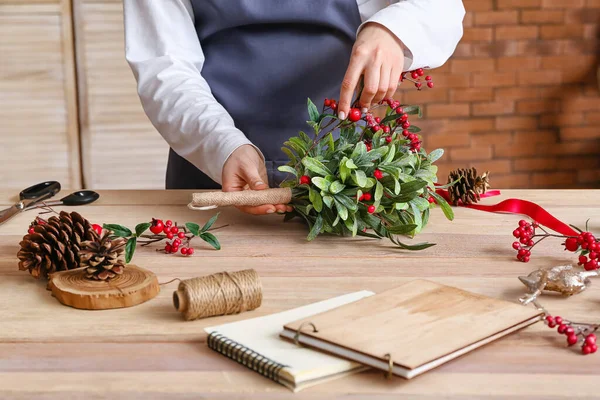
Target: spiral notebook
{"type": "Point", "coordinates": [411, 329]}
{"type": "Point", "coordinates": [255, 343]}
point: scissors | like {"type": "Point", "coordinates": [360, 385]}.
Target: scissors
{"type": "Point", "coordinates": [34, 196]}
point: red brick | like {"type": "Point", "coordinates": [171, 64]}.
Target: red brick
{"type": "Point", "coordinates": [561, 119]}
{"type": "Point", "coordinates": [495, 108]}
{"type": "Point", "coordinates": [561, 31]}
{"type": "Point", "coordinates": [513, 181]}
{"type": "Point", "coordinates": [478, 5]}
{"type": "Point", "coordinates": [463, 50]}
{"type": "Point", "coordinates": [412, 96]}
{"type": "Point", "coordinates": [516, 32]}
{"type": "Point", "coordinates": [592, 3]}
{"type": "Point", "coordinates": [514, 151]}
{"type": "Point", "coordinates": [518, 63]}
{"type": "Point", "coordinates": [553, 179]}
{"type": "Point", "coordinates": [516, 93]}
{"type": "Point", "coordinates": [588, 175]}
{"type": "Point", "coordinates": [537, 164]}
{"type": "Point", "coordinates": [449, 81]}
{"type": "Point", "coordinates": [516, 123]}
{"type": "Point", "coordinates": [473, 94]}
{"type": "Point", "coordinates": [580, 132]}
{"type": "Point", "coordinates": [580, 68]}
{"type": "Point", "coordinates": [590, 31]}
{"type": "Point", "coordinates": [489, 138]}
{"type": "Point", "coordinates": [545, 47]}
{"type": "Point", "coordinates": [468, 20]}
{"type": "Point", "coordinates": [471, 125]}
{"type": "Point", "coordinates": [504, 48]}
{"type": "Point", "coordinates": [472, 65]}
{"type": "Point", "coordinates": [562, 3]}
{"type": "Point", "coordinates": [542, 16]}
{"type": "Point", "coordinates": [574, 148]}
{"type": "Point", "coordinates": [496, 17]}
{"type": "Point", "coordinates": [448, 139]}
{"type": "Point", "coordinates": [591, 117]}
{"type": "Point", "coordinates": [494, 79]}
{"type": "Point", "coordinates": [447, 110]}
{"type": "Point", "coordinates": [494, 167]}
{"type": "Point", "coordinates": [477, 35]}
{"type": "Point", "coordinates": [545, 77]}
{"type": "Point", "coordinates": [537, 106]}
{"type": "Point", "coordinates": [471, 154]}
{"type": "Point", "coordinates": [535, 137]}
{"type": "Point", "coordinates": [583, 15]}
{"type": "Point", "coordinates": [583, 104]}
{"type": "Point", "coordinates": [518, 4]}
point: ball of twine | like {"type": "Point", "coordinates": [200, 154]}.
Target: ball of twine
{"type": "Point", "coordinates": [218, 294]}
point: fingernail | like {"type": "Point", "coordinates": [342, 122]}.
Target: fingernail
{"type": "Point", "coordinates": [270, 211]}
{"type": "Point", "coordinates": [364, 110]}
{"type": "Point", "coordinates": [280, 212]}
{"type": "Point", "coordinates": [258, 183]}
{"type": "Point", "coordinates": [342, 115]}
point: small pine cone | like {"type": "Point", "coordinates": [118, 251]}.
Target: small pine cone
{"type": "Point", "coordinates": [103, 257]}
{"type": "Point", "coordinates": [468, 187]}
{"type": "Point", "coordinates": [55, 244]}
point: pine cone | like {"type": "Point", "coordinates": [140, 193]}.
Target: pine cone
{"type": "Point", "coordinates": [103, 257]}
{"type": "Point", "coordinates": [469, 187]}
{"type": "Point", "coordinates": [55, 244]}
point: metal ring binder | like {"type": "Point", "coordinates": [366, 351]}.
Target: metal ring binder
{"type": "Point", "coordinates": [297, 335]}
{"type": "Point", "coordinates": [388, 374]}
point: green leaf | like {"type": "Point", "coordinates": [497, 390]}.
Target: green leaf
{"type": "Point", "coordinates": [211, 239]}
{"type": "Point", "coordinates": [370, 183]}
{"type": "Point", "coordinates": [194, 228]}
{"type": "Point", "coordinates": [350, 164]}
{"type": "Point", "coordinates": [342, 210]}
{"type": "Point", "coordinates": [287, 168]}
{"type": "Point", "coordinates": [377, 153]}
{"type": "Point", "coordinates": [315, 166]}
{"type": "Point", "coordinates": [330, 144]}
{"type": "Point", "coordinates": [130, 249]}
{"type": "Point", "coordinates": [290, 155]}
{"type": "Point", "coordinates": [141, 228]}
{"type": "Point", "coordinates": [448, 212]}
{"type": "Point", "coordinates": [417, 217]}
{"type": "Point", "coordinates": [328, 200]}
{"type": "Point", "coordinates": [401, 229]}
{"type": "Point", "coordinates": [361, 178]}
{"type": "Point", "coordinates": [411, 109]}
{"type": "Point", "coordinates": [401, 206]}
{"type": "Point", "coordinates": [344, 171]}
{"type": "Point", "coordinates": [378, 193]}
{"type": "Point", "coordinates": [336, 220]}
{"type": "Point", "coordinates": [352, 225]}
{"type": "Point", "coordinates": [313, 112]}
{"type": "Point", "coordinates": [346, 202]}
{"type": "Point", "coordinates": [390, 155]}
{"type": "Point", "coordinates": [435, 155]}
{"type": "Point", "coordinates": [321, 183]}
{"type": "Point", "coordinates": [420, 246]}
{"type": "Point", "coordinates": [315, 199]}
{"type": "Point", "coordinates": [316, 228]}
{"type": "Point", "coordinates": [336, 187]}
{"type": "Point", "coordinates": [421, 203]}
{"type": "Point", "coordinates": [118, 230]}
{"type": "Point", "coordinates": [396, 187]}
{"type": "Point", "coordinates": [209, 223]}
{"type": "Point", "coordinates": [414, 129]}
{"type": "Point", "coordinates": [359, 150]}
{"type": "Point", "coordinates": [413, 186]}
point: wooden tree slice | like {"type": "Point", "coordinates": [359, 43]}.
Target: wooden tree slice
{"type": "Point", "coordinates": [135, 286]}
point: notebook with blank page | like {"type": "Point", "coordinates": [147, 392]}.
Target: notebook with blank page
{"type": "Point", "coordinates": [256, 344]}
{"type": "Point", "coordinates": [419, 326]}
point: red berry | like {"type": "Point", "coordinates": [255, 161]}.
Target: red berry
{"type": "Point", "coordinates": [371, 209]}
{"type": "Point", "coordinates": [388, 139]}
{"type": "Point", "coordinates": [431, 200]}
{"type": "Point", "coordinates": [399, 110]}
{"type": "Point", "coordinates": [405, 132]}
{"type": "Point", "coordinates": [416, 146]}
{"type": "Point", "coordinates": [96, 227]}
{"type": "Point", "coordinates": [174, 230]}
{"type": "Point", "coordinates": [516, 245]}
{"type": "Point", "coordinates": [428, 78]}
{"type": "Point", "coordinates": [558, 320]}
{"type": "Point", "coordinates": [168, 248]}
{"type": "Point", "coordinates": [593, 348]}
{"type": "Point", "coordinates": [418, 85]}
{"type": "Point", "coordinates": [549, 318]}
{"type": "Point", "coordinates": [517, 233]}
{"type": "Point", "coordinates": [590, 339]}
{"type": "Point", "coordinates": [571, 244]}
{"type": "Point", "coordinates": [586, 349]}
{"type": "Point", "coordinates": [170, 235]}
{"type": "Point", "coordinates": [594, 247]}
{"type": "Point", "coordinates": [377, 119]}
{"type": "Point", "coordinates": [157, 226]}
{"type": "Point", "coordinates": [572, 339]}
{"type": "Point", "coordinates": [334, 106]}
{"type": "Point", "coordinates": [190, 251]}
{"type": "Point", "coordinates": [414, 75]}
{"type": "Point", "coordinates": [378, 174]}
{"type": "Point", "coordinates": [31, 231]}
{"type": "Point", "coordinates": [176, 242]}
{"type": "Point", "coordinates": [405, 124]}
{"type": "Point", "coordinates": [591, 265]}
{"type": "Point", "coordinates": [420, 72]}
{"type": "Point", "coordinates": [327, 103]}
{"type": "Point", "coordinates": [561, 328]}
{"type": "Point", "coordinates": [166, 229]}
{"type": "Point", "coordinates": [430, 85]}
{"type": "Point", "coordinates": [569, 331]}
{"type": "Point", "coordinates": [585, 245]}
{"type": "Point", "coordinates": [169, 223]}
{"type": "Point", "coordinates": [367, 196]}
{"type": "Point", "coordinates": [354, 114]}
{"type": "Point", "coordinates": [304, 180]}
{"type": "Point", "coordinates": [386, 129]}
{"type": "Point", "coordinates": [583, 259]}
{"type": "Point", "coordinates": [184, 250]}
{"type": "Point", "coordinates": [181, 235]}
{"type": "Point", "coordinates": [526, 260]}
{"type": "Point", "coordinates": [376, 128]}
{"type": "Point", "coordinates": [593, 255]}
{"type": "Point", "coordinates": [404, 117]}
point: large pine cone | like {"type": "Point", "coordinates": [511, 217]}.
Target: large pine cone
{"type": "Point", "coordinates": [103, 257]}
{"type": "Point", "coordinates": [469, 187]}
{"type": "Point", "coordinates": [55, 244]}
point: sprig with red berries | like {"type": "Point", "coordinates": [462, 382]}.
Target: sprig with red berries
{"type": "Point", "coordinates": [575, 332]}
{"type": "Point", "coordinates": [180, 237]}
{"type": "Point", "coordinates": [585, 243]}
{"type": "Point", "coordinates": [366, 175]}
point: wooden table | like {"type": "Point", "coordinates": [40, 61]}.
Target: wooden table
{"type": "Point", "coordinates": [149, 352]}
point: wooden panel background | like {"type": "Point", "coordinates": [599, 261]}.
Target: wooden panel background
{"type": "Point", "coordinates": [38, 115]}
{"type": "Point", "coordinates": [120, 147]}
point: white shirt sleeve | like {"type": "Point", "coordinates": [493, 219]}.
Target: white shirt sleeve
{"type": "Point", "coordinates": [164, 53]}
{"type": "Point", "coordinates": [430, 29]}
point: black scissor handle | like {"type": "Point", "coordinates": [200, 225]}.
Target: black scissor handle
{"type": "Point", "coordinates": [41, 190]}
{"type": "Point", "coordinates": [80, 198]}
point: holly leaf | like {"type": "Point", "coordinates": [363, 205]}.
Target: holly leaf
{"type": "Point", "coordinates": [435, 155]}
{"type": "Point", "coordinates": [448, 212]}
{"type": "Point", "coordinates": [316, 228]}
{"type": "Point", "coordinates": [210, 239]}
{"type": "Point", "coordinates": [315, 166]}
{"type": "Point", "coordinates": [141, 228]}
{"type": "Point", "coordinates": [130, 249]}
{"type": "Point", "coordinates": [209, 223]}
{"type": "Point", "coordinates": [288, 169]}
{"type": "Point", "coordinates": [194, 228]}
{"type": "Point", "coordinates": [336, 187]}
{"type": "Point", "coordinates": [315, 199]}
{"type": "Point", "coordinates": [361, 178]}
{"type": "Point", "coordinates": [321, 183]}
{"type": "Point", "coordinates": [118, 230]}
{"type": "Point", "coordinates": [313, 112]}
{"type": "Point", "coordinates": [378, 193]}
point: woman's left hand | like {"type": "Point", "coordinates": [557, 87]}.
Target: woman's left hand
{"type": "Point", "coordinates": [378, 55]}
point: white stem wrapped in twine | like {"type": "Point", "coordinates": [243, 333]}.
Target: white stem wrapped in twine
{"type": "Point", "coordinates": [207, 200]}
{"type": "Point", "coordinates": [218, 294]}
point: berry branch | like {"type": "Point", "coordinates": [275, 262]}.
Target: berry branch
{"type": "Point", "coordinates": [576, 332]}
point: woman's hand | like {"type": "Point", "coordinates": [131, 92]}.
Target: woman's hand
{"type": "Point", "coordinates": [378, 55]}
{"type": "Point", "coordinates": [245, 169]}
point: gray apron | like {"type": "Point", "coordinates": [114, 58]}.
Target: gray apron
{"type": "Point", "coordinates": [263, 59]}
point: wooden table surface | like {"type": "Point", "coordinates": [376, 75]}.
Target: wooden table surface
{"type": "Point", "coordinates": [52, 351]}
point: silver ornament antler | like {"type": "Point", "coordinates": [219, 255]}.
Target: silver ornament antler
{"type": "Point", "coordinates": [563, 279]}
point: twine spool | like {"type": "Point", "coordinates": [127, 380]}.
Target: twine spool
{"type": "Point", "coordinates": [206, 200]}
{"type": "Point", "coordinates": [218, 294]}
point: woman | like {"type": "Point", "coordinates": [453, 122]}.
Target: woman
{"type": "Point", "coordinates": [225, 82]}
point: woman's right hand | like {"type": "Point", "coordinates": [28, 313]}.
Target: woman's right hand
{"type": "Point", "coordinates": [245, 169]}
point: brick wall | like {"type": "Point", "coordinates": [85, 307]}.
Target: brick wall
{"type": "Point", "coordinates": [520, 95]}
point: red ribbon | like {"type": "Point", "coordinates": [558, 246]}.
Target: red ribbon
{"type": "Point", "coordinates": [517, 206]}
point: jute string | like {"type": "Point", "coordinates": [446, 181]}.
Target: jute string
{"type": "Point", "coordinates": [218, 294]}
{"type": "Point", "coordinates": [241, 198]}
